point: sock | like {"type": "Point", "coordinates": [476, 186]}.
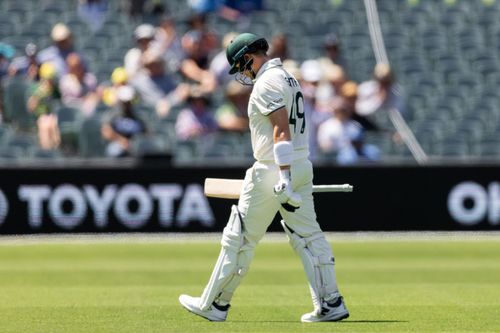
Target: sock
{"type": "Point", "coordinates": [221, 307]}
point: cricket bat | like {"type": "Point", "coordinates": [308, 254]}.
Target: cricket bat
{"type": "Point", "coordinates": [231, 188]}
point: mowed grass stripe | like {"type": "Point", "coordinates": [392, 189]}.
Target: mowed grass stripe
{"type": "Point", "coordinates": [394, 286]}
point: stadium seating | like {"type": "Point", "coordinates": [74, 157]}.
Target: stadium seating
{"type": "Point", "coordinates": [445, 55]}
{"type": "Point", "coordinates": [15, 99]}
{"type": "Point", "coordinates": [90, 142]}
{"type": "Point", "coordinates": [149, 145]}
{"type": "Point", "coordinates": [22, 143]}
{"type": "Point", "coordinates": [46, 154]}
{"type": "Point", "coordinates": [69, 120]}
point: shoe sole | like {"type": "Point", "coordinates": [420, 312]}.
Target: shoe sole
{"type": "Point", "coordinates": [344, 316]}
{"type": "Point", "coordinates": [199, 313]}
{"type": "Point", "coordinates": [339, 318]}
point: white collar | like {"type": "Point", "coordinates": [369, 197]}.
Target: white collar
{"type": "Point", "coordinates": [267, 65]}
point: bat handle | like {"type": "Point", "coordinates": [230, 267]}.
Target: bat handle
{"type": "Point", "coordinates": [333, 188]}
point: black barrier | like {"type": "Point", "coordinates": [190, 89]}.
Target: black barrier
{"type": "Point", "coordinates": [151, 199]}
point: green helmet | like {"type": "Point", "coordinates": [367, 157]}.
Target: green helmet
{"type": "Point", "coordinates": [242, 44]}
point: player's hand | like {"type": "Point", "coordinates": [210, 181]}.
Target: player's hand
{"type": "Point", "coordinates": [289, 200]}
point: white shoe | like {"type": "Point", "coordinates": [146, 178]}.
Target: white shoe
{"type": "Point", "coordinates": [329, 312]}
{"type": "Point", "coordinates": [212, 314]}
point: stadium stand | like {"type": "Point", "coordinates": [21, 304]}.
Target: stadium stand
{"type": "Point", "coordinates": [444, 55]}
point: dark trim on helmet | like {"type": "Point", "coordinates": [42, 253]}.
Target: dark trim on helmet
{"type": "Point", "coordinates": [258, 45]}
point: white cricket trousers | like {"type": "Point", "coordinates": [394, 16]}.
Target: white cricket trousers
{"type": "Point", "coordinates": [258, 205]}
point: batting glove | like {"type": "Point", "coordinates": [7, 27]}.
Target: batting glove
{"type": "Point", "coordinates": [287, 198]}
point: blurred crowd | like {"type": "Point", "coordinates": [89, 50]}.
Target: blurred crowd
{"type": "Point", "coordinates": [178, 76]}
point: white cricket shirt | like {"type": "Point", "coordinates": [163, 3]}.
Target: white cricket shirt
{"type": "Point", "coordinates": [273, 89]}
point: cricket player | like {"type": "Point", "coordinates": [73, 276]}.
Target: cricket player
{"type": "Point", "coordinates": [281, 180]}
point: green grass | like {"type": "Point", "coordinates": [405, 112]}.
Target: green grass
{"type": "Point", "coordinates": [389, 286]}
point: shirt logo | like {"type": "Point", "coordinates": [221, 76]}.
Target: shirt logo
{"type": "Point", "coordinates": [275, 103]}
{"type": "Point", "coordinates": [291, 82]}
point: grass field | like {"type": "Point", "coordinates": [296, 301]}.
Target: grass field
{"type": "Point", "coordinates": [389, 286]}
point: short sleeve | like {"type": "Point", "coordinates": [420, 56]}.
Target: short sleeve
{"type": "Point", "coordinates": [270, 95]}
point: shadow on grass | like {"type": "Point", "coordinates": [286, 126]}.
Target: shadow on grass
{"type": "Point", "coordinates": [337, 322]}
{"type": "Point", "coordinates": [372, 321]}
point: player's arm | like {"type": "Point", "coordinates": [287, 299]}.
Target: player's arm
{"type": "Point", "coordinates": [283, 156]}
{"type": "Point", "coordinates": [281, 129]}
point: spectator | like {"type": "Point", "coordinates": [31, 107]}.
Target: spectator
{"type": "Point", "coordinates": [156, 9]}
{"type": "Point", "coordinates": [231, 10]}
{"type": "Point", "coordinates": [26, 65]}
{"type": "Point", "coordinates": [197, 45]}
{"type": "Point", "coordinates": [93, 12]}
{"type": "Point", "coordinates": [204, 6]}
{"type": "Point", "coordinates": [311, 74]}
{"type": "Point", "coordinates": [134, 8]}
{"type": "Point", "coordinates": [293, 67]}
{"type": "Point", "coordinates": [332, 54]}
{"type": "Point", "coordinates": [245, 6]}
{"type": "Point", "coordinates": [169, 43]}
{"type": "Point", "coordinates": [279, 47]}
{"type": "Point", "coordinates": [123, 125]}
{"type": "Point", "coordinates": [343, 136]}
{"type": "Point", "coordinates": [144, 35]}
{"type": "Point", "coordinates": [78, 87]}
{"type": "Point", "coordinates": [196, 120]}
{"type": "Point", "coordinates": [6, 54]}
{"type": "Point", "coordinates": [349, 95]}
{"type": "Point", "coordinates": [238, 10]}
{"type": "Point", "coordinates": [62, 47]}
{"type": "Point", "coordinates": [310, 78]}
{"type": "Point", "coordinates": [119, 78]}
{"type": "Point", "coordinates": [232, 114]}
{"type": "Point", "coordinates": [380, 93]}
{"type": "Point", "coordinates": [41, 104]}
{"type": "Point", "coordinates": [194, 67]}
{"type": "Point", "coordinates": [219, 65]}
{"type": "Point", "coordinates": [156, 88]}
{"type": "Point", "coordinates": [144, 10]}
{"type": "Point", "coordinates": [198, 22]}
{"type": "Point", "coordinates": [335, 78]}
